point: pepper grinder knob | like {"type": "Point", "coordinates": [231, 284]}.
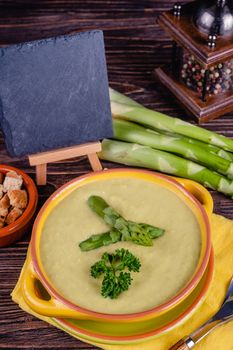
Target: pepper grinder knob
{"type": "Point", "coordinates": [177, 9]}
{"type": "Point", "coordinates": [212, 38]}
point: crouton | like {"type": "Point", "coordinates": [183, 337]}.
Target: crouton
{"type": "Point", "coordinates": [18, 198]}
{"type": "Point", "coordinates": [12, 181]}
{"type": "Point", "coordinates": [5, 202]}
{"type": "Point", "coordinates": [3, 213]}
{"type": "Point", "coordinates": [4, 205]}
{"type": "Point", "coordinates": [13, 215]}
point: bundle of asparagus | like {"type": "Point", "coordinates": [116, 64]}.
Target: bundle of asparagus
{"type": "Point", "coordinates": [146, 138]}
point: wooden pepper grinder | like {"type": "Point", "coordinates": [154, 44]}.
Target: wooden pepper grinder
{"type": "Point", "coordinates": [201, 72]}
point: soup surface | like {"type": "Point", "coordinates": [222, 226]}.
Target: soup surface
{"type": "Point", "coordinates": [165, 267]}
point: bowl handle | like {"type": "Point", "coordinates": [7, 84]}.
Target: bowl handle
{"type": "Point", "coordinates": [199, 192]}
{"type": "Point", "coordinates": [47, 307]}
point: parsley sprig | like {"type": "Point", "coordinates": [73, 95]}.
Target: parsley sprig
{"type": "Point", "coordinates": [116, 280]}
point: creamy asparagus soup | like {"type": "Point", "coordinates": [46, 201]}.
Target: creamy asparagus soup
{"type": "Point", "coordinates": [165, 267]}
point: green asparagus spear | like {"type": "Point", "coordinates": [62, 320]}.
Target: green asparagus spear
{"type": "Point", "coordinates": [131, 132]}
{"type": "Point", "coordinates": [121, 98]}
{"type": "Point", "coordinates": [139, 114]}
{"type": "Point", "coordinates": [144, 156]}
{"type": "Point", "coordinates": [100, 240]}
{"type": "Point", "coordinates": [204, 146]}
{"type": "Point", "coordinates": [116, 96]}
{"type": "Point", "coordinates": [121, 229]}
{"type": "Point", "coordinates": [130, 231]}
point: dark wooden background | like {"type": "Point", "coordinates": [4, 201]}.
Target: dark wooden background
{"type": "Point", "coordinates": [134, 46]}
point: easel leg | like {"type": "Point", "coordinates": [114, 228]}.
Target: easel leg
{"type": "Point", "coordinates": [95, 162]}
{"type": "Point", "coordinates": [41, 174]}
{"type": "Point", "coordinates": [40, 160]}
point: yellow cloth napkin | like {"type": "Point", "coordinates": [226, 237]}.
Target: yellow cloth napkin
{"type": "Point", "coordinates": [221, 338]}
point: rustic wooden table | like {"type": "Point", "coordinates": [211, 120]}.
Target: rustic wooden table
{"type": "Point", "coordinates": [134, 46]}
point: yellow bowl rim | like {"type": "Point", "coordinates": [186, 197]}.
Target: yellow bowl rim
{"type": "Point", "coordinates": [138, 315]}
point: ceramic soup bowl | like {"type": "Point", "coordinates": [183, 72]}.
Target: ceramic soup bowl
{"type": "Point", "coordinates": [170, 269]}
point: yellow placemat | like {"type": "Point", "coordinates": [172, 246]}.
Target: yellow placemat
{"type": "Point", "coordinates": [221, 338]}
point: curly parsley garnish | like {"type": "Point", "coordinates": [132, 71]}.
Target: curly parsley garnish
{"type": "Point", "coordinates": [116, 280]}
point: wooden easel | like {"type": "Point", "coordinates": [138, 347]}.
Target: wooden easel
{"type": "Point", "coordinates": [41, 160]}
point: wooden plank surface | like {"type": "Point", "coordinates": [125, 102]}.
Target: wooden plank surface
{"type": "Point", "coordinates": [134, 46]}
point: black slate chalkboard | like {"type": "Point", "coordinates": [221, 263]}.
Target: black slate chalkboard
{"type": "Point", "coordinates": [54, 93]}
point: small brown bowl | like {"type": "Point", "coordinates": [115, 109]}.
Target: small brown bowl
{"type": "Point", "coordinates": [13, 232]}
